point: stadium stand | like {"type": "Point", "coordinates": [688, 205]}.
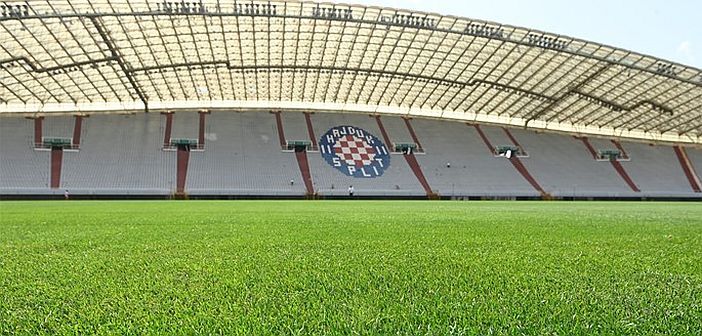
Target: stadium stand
{"type": "Point", "coordinates": [566, 168]}
{"type": "Point", "coordinates": [695, 157]}
{"type": "Point", "coordinates": [149, 105]}
{"type": "Point", "coordinates": [123, 155]}
{"type": "Point", "coordinates": [22, 170]}
{"type": "Point", "coordinates": [656, 170]}
{"type": "Point", "coordinates": [473, 170]}
{"type": "Point", "coordinates": [397, 180]}
{"type": "Point", "coordinates": [120, 154]}
{"type": "Point", "coordinates": [243, 157]}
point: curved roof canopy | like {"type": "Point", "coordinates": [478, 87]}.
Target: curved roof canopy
{"type": "Point", "coordinates": [88, 56]}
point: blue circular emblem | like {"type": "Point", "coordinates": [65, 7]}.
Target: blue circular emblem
{"type": "Point", "coordinates": [354, 152]}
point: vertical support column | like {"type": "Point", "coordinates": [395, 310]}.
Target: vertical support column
{"type": "Point", "coordinates": [38, 124]}
{"type": "Point", "coordinates": [77, 128]}
{"type": "Point", "coordinates": [182, 169]}
{"type": "Point", "coordinates": [279, 124]}
{"type": "Point", "coordinates": [169, 127]}
{"type": "Point", "coordinates": [201, 128]}
{"type": "Point", "coordinates": [688, 169]}
{"type": "Point", "coordinates": [310, 130]}
{"type": "Point", "coordinates": [56, 161]}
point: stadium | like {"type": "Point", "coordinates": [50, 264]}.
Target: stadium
{"type": "Point", "coordinates": [344, 111]}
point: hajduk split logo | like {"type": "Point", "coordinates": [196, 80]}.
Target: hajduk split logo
{"type": "Point", "coordinates": [354, 152]}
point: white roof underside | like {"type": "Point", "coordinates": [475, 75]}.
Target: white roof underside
{"type": "Point", "coordinates": [83, 56]}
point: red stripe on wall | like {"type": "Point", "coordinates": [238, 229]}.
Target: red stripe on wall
{"type": "Point", "coordinates": [616, 164]}
{"type": "Point", "coordinates": [56, 161]}
{"type": "Point", "coordinates": [589, 147]}
{"type": "Point", "coordinates": [279, 124]}
{"type": "Point", "coordinates": [417, 170]}
{"type": "Point", "coordinates": [513, 139]}
{"type": "Point", "coordinates": [77, 128]}
{"type": "Point", "coordinates": [411, 161]}
{"type": "Point", "coordinates": [305, 171]}
{"type": "Point", "coordinates": [201, 129]}
{"type": "Point", "coordinates": [687, 168]}
{"type": "Point", "coordinates": [38, 123]}
{"type": "Point", "coordinates": [310, 129]}
{"type": "Point", "coordinates": [169, 127]}
{"type": "Point", "coordinates": [182, 171]}
{"type": "Point", "coordinates": [517, 163]}
{"type": "Point", "coordinates": [622, 172]}
{"type": "Point", "coordinates": [620, 148]}
{"type": "Point", "coordinates": [414, 135]}
{"type": "Point", "coordinates": [386, 138]}
{"type": "Point", "coordinates": [490, 147]}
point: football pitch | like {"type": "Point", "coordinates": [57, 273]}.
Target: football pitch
{"type": "Point", "coordinates": [350, 267]}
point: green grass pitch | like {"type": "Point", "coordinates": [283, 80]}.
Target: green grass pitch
{"type": "Point", "coordinates": [395, 267]}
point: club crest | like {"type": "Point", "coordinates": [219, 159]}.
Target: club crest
{"type": "Point", "coordinates": [354, 152]}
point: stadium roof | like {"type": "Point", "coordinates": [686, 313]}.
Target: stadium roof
{"type": "Point", "coordinates": [89, 56]}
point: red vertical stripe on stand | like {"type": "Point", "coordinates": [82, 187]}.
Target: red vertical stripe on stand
{"type": "Point", "coordinates": [38, 123]}
{"type": "Point", "coordinates": [386, 138]}
{"type": "Point", "coordinates": [589, 147]}
{"type": "Point", "coordinates": [310, 129]}
{"type": "Point", "coordinates": [687, 168]}
{"type": "Point", "coordinates": [620, 148]}
{"type": "Point", "coordinates": [411, 161]}
{"type": "Point", "coordinates": [56, 161]}
{"type": "Point", "coordinates": [490, 147]}
{"type": "Point", "coordinates": [513, 139]}
{"type": "Point", "coordinates": [182, 173]}
{"type": "Point", "coordinates": [77, 128]}
{"type": "Point", "coordinates": [279, 124]}
{"type": "Point", "coordinates": [519, 165]}
{"type": "Point", "coordinates": [305, 171]}
{"type": "Point", "coordinates": [201, 129]}
{"type": "Point", "coordinates": [414, 135]}
{"type": "Point", "coordinates": [622, 172]}
{"type": "Point", "coordinates": [169, 127]}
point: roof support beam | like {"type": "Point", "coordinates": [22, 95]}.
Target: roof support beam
{"type": "Point", "coordinates": [652, 70]}
{"type": "Point", "coordinates": [573, 89]}
{"type": "Point", "coordinates": [120, 62]}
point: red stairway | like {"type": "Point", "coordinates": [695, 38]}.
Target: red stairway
{"type": "Point", "coordinates": [305, 171]}
{"type": "Point", "coordinates": [77, 128]}
{"type": "Point", "coordinates": [688, 169]}
{"type": "Point", "coordinates": [616, 164]}
{"type": "Point", "coordinates": [201, 129]}
{"type": "Point", "coordinates": [38, 123]}
{"type": "Point", "coordinates": [169, 127]}
{"type": "Point", "coordinates": [56, 162]}
{"type": "Point", "coordinates": [301, 156]}
{"type": "Point", "coordinates": [410, 158]}
{"type": "Point", "coordinates": [310, 130]}
{"type": "Point", "coordinates": [182, 173]}
{"type": "Point", "coordinates": [516, 162]}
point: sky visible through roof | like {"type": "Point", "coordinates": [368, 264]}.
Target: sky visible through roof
{"type": "Point", "coordinates": [670, 29]}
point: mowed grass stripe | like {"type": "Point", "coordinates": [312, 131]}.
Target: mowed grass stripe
{"type": "Point", "coordinates": [350, 267]}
